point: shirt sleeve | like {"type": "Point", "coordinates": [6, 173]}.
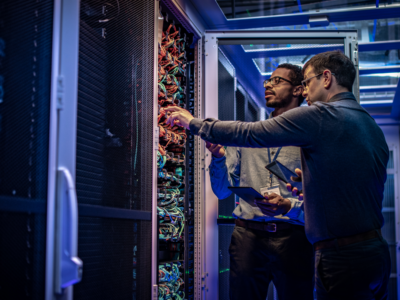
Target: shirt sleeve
{"type": "Point", "coordinates": [296, 212]}
{"type": "Point", "coordinates": [296, 127]}
{"type": "Point", "coordinates": [225, 172]}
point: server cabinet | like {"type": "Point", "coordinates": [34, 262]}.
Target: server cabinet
{"type": "Point", "coordinates": [79, 124]}
{"type": "Point", "coordinates": [255, 54]}
{"type": "Point", "coordinates": [77, 90]}
{"type": "Point", "coordinates": [115, 148]}
{"type": "Point", "coordinates": [25, 139]}
{"type": "Point", "coordinates": [176, 157]}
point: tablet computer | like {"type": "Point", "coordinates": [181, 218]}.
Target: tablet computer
{"type": "Point", "coordinates": [283, 173]}
{"type": "Point", "coordinates": [248, 194]}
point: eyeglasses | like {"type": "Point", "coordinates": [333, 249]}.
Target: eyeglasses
{"type": "Point", "coordinates": [304, 82]}
{"type": "Point", "coordinates": [276, 80]}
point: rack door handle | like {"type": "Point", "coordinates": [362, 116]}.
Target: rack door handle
{"type": "Point", "coordinates": [68, 266]}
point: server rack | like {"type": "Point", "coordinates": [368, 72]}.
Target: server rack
{"type": "Point", "coordinates": [82, 182]}
{"type": "Point", "coordinates": [175, 160]}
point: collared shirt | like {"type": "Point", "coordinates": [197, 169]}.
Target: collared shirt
{"type": "Point", "coordinates": [246, 167]}
{"type": "Point", "coordinates": [343, 157]}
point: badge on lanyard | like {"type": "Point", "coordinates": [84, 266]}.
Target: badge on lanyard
{"type": "Point", "coordinates": [265, 191]}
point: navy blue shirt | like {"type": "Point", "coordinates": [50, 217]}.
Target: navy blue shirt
{"type": "Point", "coordinates": [343, 157]}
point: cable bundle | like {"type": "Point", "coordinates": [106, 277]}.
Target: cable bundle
{"type": "Point", "coordinates": [171, 216]}
{"type": "Point", "coordinates": [171, 67]}
{"type": "Point", "coordinates": [170, 281]}
{"type": "Point", "coordinates": [171, 163]}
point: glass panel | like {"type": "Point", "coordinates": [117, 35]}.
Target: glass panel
{"type": "Point", "coordinates": [368, 30]}
{"type": "Point", "coordinates": [377, 79]}
{"type": "Point", "coordinates": [379, 58]}
{"type": "Point", "coordinates": [381, 97]}
{"type": "Point", "coordinates": [25, 78]}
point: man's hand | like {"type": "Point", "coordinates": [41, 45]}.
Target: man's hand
{"type": "Point", "coordinates": [215, 149]}
{"type": "Point", "coordinates": [273, 205]}
{"type": "Point", "coordinates": [295, 191]}
{"type": "Point", "coordinates": [178, 116]}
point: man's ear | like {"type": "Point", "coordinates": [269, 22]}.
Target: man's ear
{"type": "Point", "coordinates": [328, 80]}
{"type": "Point", "coordinates": [298, 90]}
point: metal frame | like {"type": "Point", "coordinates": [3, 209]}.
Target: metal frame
{"type": "Point", "coordinates": [379, 70]}
{"type": "Point", "coordinates": [62, 126]}
{"type": "Point", "coordinates": [210, 103]}
{"type": "Point", "coordinates": [242, 60]}
{"type": "Point", "coordinates": [199, 175]}
{"type": "Point", "coordinates": [379, 46]}
{"type": "Point", "coordinates": [154, 238]}
{"type": "Point", "coordinates": [52, 159]}
{"type": "Point", "coordinates": [210, 41]}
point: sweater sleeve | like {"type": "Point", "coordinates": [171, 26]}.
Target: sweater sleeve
{"type": "Point", "coordinates": [225, 172]}
{"type": "Point", "coordinates": [296, 127]}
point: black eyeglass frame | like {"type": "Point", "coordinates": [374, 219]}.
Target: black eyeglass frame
{"type": "Point", "coordinates": [304, 82]}
{"type": "Point", "coordinates": [280, 78]}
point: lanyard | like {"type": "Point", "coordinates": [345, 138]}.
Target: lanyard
{"type": "Point", "coordinates": [269, 159]}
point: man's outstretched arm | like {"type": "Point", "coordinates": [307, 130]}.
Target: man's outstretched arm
{"type": "Point", "coordinates": [296, 127]}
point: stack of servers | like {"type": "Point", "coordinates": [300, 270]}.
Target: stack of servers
{"type": "Point", "coordinates": [171, 164]}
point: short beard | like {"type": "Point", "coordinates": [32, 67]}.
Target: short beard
{"type": "Point", "coordinates": [278, 104]}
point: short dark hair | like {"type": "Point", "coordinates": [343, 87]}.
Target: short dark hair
{"type": "Point", "coordinates": [336, 62]}
{"type": "Point", "coordinates": [295, 75]}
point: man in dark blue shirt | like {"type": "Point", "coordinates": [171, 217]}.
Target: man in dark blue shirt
{"type": "Point", "coordinates": [266, 247]}
{"type": "Point", "coordinates": [344, 157]}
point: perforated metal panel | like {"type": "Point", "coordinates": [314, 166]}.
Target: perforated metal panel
{"type": "Point", "coordinates": [114, 162]}
{"type": "Point", "coordinates": [252, 115]}
{"type": "Point", "coordinates": [115, 104]}
{"type": "Point", "coordinates": [25, 67]}
{"type": "Point", "coordinates": [116, 257]}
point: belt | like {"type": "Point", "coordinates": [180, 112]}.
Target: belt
{"type": "Point", "coordinates": [269, 227]}
{"type": "Point", "coordinates": [343, 241]}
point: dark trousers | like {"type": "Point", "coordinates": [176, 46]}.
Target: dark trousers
{"type": "Point", "coordinates": [358, 271]}
{"type": "Point", "coordinates": [257, 257]}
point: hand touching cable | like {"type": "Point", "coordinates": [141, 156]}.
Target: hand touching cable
{"type": "Point", "coordinates": [178, 116]}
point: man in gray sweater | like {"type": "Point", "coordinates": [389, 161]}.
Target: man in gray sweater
{"type": "Point", "coordinates": [344, 157]}
{"type": "Point", "coordinates": [265, 247]}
